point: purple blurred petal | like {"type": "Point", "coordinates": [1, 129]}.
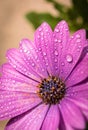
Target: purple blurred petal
{"type": "Point", "coordinates": [43, 42]}
{"type": "Point", "coordinates": [30, 121]}
{"type": "Point", "coordinates": [14, 81]}
{"type": "Point", "coordinates": [51, 121]}
{"type": "Point", "coordinates": [72, 114]}
{"type": "Point", "coordinates": [78, 91]}
{"type": "Point", "coordinates": [71, 53]}
{"type": "Point", "coordinates": [29, 52]}
{"type": "Point", "coordinates": [18, 62]}
{"type": "Point", "coordinates": [64, 124]}
{"type": "Point", "coordinates": [15, 103]}
{"type": "Point", "coordinates": [80, 72]}
{"type": "Point", "coordinates": [59, 45]}
{"type": "Point", "coordinates": [82, 103]}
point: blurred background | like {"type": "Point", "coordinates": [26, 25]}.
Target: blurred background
{"type": "Point", "coordinates": [20, 18]}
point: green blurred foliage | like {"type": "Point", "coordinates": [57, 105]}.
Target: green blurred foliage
{"type": "Point", "coordinates": [76, 15]}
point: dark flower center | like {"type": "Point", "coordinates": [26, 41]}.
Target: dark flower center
{"type": "Point", "coordinates": [51, 90]}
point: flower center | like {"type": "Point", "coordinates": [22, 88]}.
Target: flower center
{"type": "Point", "coordinates": [51, 90]}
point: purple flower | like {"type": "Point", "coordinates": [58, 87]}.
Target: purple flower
{"type": "Point", "coordinates": [44, 84]}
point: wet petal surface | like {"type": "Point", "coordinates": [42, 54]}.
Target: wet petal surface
{"type": "Point", "coordinates": [12, 80]}
{"type": "Point", "coordinates": [52, 118]}
{"type": "Point", "coordinates": [33, 120]}
{"type": "Point", "coordinates": [72, 114]}
{"type": "Point", "coordinates": [15, 103]}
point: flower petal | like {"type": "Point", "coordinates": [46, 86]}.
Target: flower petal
{"type": "Point", "coordinates": [78, 91]}
{"type": "Point", "coordinates": [60, 39]}
{"type": "Point", "coordinates": [51, 121]}
{"type": "Point", "coordinates": [72, 114]}
{"type": "Point", "coordinates": [18, 62]}
{"type": "Point", "coordinates": [68, 49]}
{"type": "Point", "coordinates": [81, 103]}
{"type": "Point", "coordinates": [30, 54]}
{"type": "Point", "coordinates": [80, 73]}
{"type": "Point", "coordinates": [43, 42]}
{"type": "Point", "coordinates": [29, 121]}
{"type": "Point", "coordinates": [72, 53]}
{"type": "Point", "coordinates": [14, 81]}
{"type": "Point", "coordinates": [64, 124]}
{"type": "Point", "coordinates": [15, 103]}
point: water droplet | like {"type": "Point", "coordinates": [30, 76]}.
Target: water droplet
{"type": "Point", "coordinates": [25, 50]}
{"type": "Point", "coordinates": [56, 30]}
{"type": "Point", "coordinates": [56, 53]}
{"type": "Point", "coordinates": [55, 60]}
{"type": "Point", "coordinates": [40, 49]}
{"type": "Point", "coordinates": [56, 40]}
{"type": "Point", "coordinates": [69, 58]}
{"type": "Point", "coordinates": [33, 64]}
{"type": "Point", "coordinates": [62, 64]}
{"type": "Point", "coordinates": [80, 46]}
{"type": "Point", "coordinates": [78, 36]}
{"type": "Point", "coordinates": [43, 70]}
{"type": "Point", "coordinates": [40, 29]}
{"type": "Point", "coordinates": [59, 41]}
{"type": "Point", "coordinates": [42, 34]}
{"type": "Point", "coordinates": [44, 53]}
{"type": "Point", "coordinates": [38, 36]}
{"type": "Point", "coordinates": [66, 29]}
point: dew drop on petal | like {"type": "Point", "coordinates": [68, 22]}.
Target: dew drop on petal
{"type": "Point", "coordinates": [78, 36]}
{"type": "Point", "coordinates": [56, 53]}
{"type": "Point", "coordinates": [44, 53]}
{"type": "Point", "coordinates": [40, 29]}
{"type": "Point", "coordinates": [57, 30]}
{"type": "Point", "coordinates": [62, 64]}
{"type": "Point", "coordinates": [59, 41]}
{"type": "Point", "coordinates": [56, 40]}
{"type": "Point", "coordinates": [69, 58]}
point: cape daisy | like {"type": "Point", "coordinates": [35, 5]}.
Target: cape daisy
{"type": "Point", "coordinates": [44, 84]}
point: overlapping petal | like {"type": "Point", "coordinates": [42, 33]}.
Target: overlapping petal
{"type": "Point", "coordinates": [15, 103]}
{"type": "Point", "coordinates": [18, 62]}
{"type": "Point", "coordinates": [69, 48]}
{"type": "Point", "coordinates": [80, 72]}
{"type": "Point", "coordinates": [52, 119]}
{"type": "Point", "coordinates": [31, 55]}
{"type": "Point", "coordinates": [72, 114]}
{"type": "Point", "coordinates": [61, 32]}
{"type": "Point", "coordinates": [30, 120]}
{"type": "Point", "coordinates": [78, 91]}
{"type": "Point", "coordinates": [43, 43]}
{"type": "Point", "coordinates": [12, 80]}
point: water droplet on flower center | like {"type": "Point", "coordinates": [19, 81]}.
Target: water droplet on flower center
{"type": "Point", "coordinates": [51, 90]}
{"type": "Point", "coordinates": [69, 58]}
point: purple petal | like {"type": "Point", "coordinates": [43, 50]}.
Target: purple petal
{"type": "Point", "coordinates": [29, 52]}
{"type": "Point", "coordinates": [51, 121]}
{"type": "Point", "coordinates": [78, 91]}
{"type": "Point", "coordinates": [69, 49]}
{"type": "Point", "coordinates": [14, 81]}
{"type": "Point", "coordinates": [18, 62]}
{"type": "Point", "coordinates": [80, 72]}
{"type": "Point", "coordinates": [71, 53]}
{"type": "Point", "coordinates": [81, 103]}
{"type": "Point", "coordinates": [15, 103]}
{"type": "Point", "coordinates": [30, 121]}
{"type": "Point", "coordinates": [64, 124]}
{"type": "Point", "coordinates": [60, 39]}
{"type": "Point", "coordinates": [72, 114]}
{"type": "Point", "coordinates": [43, 42]}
